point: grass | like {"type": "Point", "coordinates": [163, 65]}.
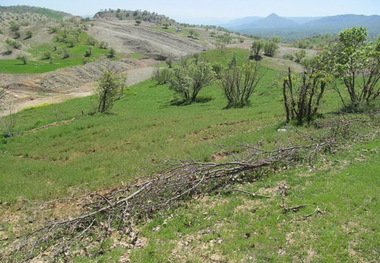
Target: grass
{"type": "Point", "coordinates": [101, 151]}
{"type": "Point", "coordinates": [239, 228]}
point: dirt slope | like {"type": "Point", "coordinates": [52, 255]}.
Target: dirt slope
{"type": "Point", "coordinates": [25, 90]}
{"type": "Point", "coordinates": [125, 37]}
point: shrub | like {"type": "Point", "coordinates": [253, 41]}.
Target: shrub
{"type": "Point", "coordinates": [46, 55]}
{"type": "Point", "coordinates": [88, 52]}
{"type": "Point", "coordinates": [23, 59]}
{"type": "Point", "coordinates": [189, 78]}
{"type": "Point", "coordinates": [239, 82]}
{"type": "Point", "coordinates": [302, 96]}
{"type": "Point", "coordinates": [288, 57]}
{"type": "Point", "coordinates": [65, 53]}
{"type": "Point", "coordinates": [162, 75]}
{"type": "Point", "coordinates": [13, 43]}
{"type": "Point", "coordinates": [299, 55]}
{"type": "Point", "coordinates": [103, 45]}
{"type": "Point", "coordinates": [270, 48]}
{"type": "Point", "coordinates": [28, 34]}
{"type": "Point", "coordinates": [111, 53]}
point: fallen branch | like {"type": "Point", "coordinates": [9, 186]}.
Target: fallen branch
{"type": "Point", "coordinates": [317, 211]}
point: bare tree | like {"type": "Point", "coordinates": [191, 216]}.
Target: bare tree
{"type": "Point", "coordinates": [302, 100]}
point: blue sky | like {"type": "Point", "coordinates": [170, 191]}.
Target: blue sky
{"type": "Point", "coordinates": [206, 11]}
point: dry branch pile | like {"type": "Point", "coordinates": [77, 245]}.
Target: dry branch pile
{"type": "Point", "coordinates": [112, 215]}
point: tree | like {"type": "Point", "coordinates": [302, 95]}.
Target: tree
{"type": "Point", "coordinates": [28, 34]}
{"type": "Point", "coordinates": [302, 96]}
{"type": "Point", "coordinates": [299, 55]}
{"type": "Point", "coordinates": [23, 59]}
{"type": "Point", "coordinates": [109, 89]}
{"type": "Point", "coordinates": [193, 34]}
{"type": "Point", "coordinates": [239, 82]}
{"type": "Point", "coordinates": [103, 45]}
{"type": "Point", "coordinates": [65, 53]}
{"type": "Point", "coordinates": [256, 49]}
{"type": "Point", "coordinates": [355, 62]}
{"type": "Point", "coordinates": [88, 52]}
{"type": "Point", "coordinates": [162, 75]}
{"type": "Point", "coordinates": [2, 96]}
{"type": "Point", "coordinates": [111, 53]}
{"type": "Point", "coordinates": [270, 48]}
{"type": "Point", "coordinates": [189, 78]}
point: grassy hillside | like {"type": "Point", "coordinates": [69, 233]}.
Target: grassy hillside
{"type": "Point", "coordinates": [22, 9]}
{"type": "Point", "coordinates": [63, 150]}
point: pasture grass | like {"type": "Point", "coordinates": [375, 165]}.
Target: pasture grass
{"type": "Point", "coordinates": [58, 151]}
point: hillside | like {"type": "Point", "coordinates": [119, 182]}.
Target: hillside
{"type": "Point", "coordinates": [53, 45]}
{"type": "Point", "coordinates": [22, 9]}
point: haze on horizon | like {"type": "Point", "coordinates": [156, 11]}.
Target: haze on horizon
{"type": "Point", "coordinates": [212, 11]}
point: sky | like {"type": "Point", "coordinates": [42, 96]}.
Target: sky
{"type": "Point", "coordinates": [212, 11]}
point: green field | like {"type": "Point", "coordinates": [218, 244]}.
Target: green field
{"type": "Point", "coordinates": [64, 150]}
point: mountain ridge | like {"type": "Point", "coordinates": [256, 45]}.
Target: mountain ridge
{"type": "Point", "coordinates": [305, 25]}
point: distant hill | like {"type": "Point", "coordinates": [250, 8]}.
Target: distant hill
{"type": "Point", "coordinates": [337, 23]}
{"type": "Point", "coordinates": [21, 9]}
{"type": "Point", "coordinates": [293, 27]}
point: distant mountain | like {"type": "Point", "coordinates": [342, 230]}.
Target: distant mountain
{"type": "Point", "coordinates": [343, 21]}
{"type": "Point", "coordinates": [241, 21]}
{"type": "Point", "coordinates": [303, 20]}
{"type": "Point", "coordinates": [273, 21]}
{"type": "Point", "coordinates": [292, 27]}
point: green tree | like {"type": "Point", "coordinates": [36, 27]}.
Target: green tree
{"type": "Point", "coordinates": [356, 62]}
{"type": "Point", "coordinates": [109, 89]}
{"type": "Point", "coordinates": [299, 55]}
{"type": "Point", "coordinates": [256, 49]}
{"type": "Point", "coordinates": [189, 78]}
{"type": "Point", "coordinates": [111, 53]}
{"type": "Point", "coordinates": [23, 59]}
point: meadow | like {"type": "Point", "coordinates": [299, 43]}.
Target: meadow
{"type": "Point", "coordinates": [66, 150]}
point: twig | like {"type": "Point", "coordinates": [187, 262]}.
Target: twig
{"type": "Point", "coordinates": [293, 208]}
{"type": "Point", "coordinates": [317, 211]}
{"type": "Point", "coordinates": [248, 193]}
